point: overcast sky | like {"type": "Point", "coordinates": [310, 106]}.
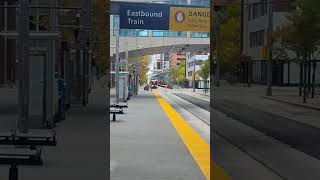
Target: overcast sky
{"type": "Point", "coordinates": [141, 0]}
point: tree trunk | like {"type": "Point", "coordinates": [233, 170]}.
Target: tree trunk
{"type": "Point", "coordinates": [305, 80]}
{"type": "Point", "coordinates": [300, 79]}
{"type": "Point", "coordinates": [313, 77]}
{"type": "Point", "coordinates": [309, 76]}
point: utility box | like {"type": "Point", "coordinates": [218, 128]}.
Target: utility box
{"type": "Point", "coordinates": [123, 87]}
{"type": "Point", "coordinates": [37, 91]}
{"type": "Point", "coordinates": [123, 84]}
{"type": "Point", "coordinates": [43, 92]}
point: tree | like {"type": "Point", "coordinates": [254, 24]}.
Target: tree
{"type": "Point", "coordinates": [301, 36]}
{"type": "Point", "coordinates": [177, 73]}
{"type": "Point", "coordinates": [174, 73]}
{"type": "Point", "coordinates": [230, 39]}
{"type": "Point", "coordinates": [182, 73]}
{"type": "Point", "coordinates": [204, 73]}
{"type": "Point", "coordinates": [102, 30]}
{"type": "Point", "coordinates": [143, 64]}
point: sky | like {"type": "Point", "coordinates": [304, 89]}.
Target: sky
{"type": "Point", "coordinates": [149, 1]}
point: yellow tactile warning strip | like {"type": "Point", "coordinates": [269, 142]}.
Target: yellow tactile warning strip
{"type": "Point", "coordinates": [199, 149]}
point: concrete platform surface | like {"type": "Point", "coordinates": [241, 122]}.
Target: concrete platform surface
{"type": "Point", "coordinates": [145, 145]}
{"type": "Point", "coordinates": [81, 150]}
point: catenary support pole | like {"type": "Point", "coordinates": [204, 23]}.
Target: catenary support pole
{"type": "Point", "coordinates": [270, 44]}
{"type": "Point", "coordinates": [117, 65]}
{"type": "Point", "coordinates": [23, 70]}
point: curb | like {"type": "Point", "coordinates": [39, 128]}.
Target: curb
{"type": "Point", "coordinates": [291, 103]}
{"type": "Point", "coordinates": [203, 94]}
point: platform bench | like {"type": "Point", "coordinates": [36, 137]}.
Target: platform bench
{"type": "Point", "coordinates": [14, 157]}
{"type": "Point", "coordinates": [118, 106]}
{"type": "Point", "coordinates": [114, 112]}
{"type": "Point", "coordinates": [33, 138]}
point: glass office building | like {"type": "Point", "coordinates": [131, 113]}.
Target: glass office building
{"type": "Point", "coordinates": [154, 33]}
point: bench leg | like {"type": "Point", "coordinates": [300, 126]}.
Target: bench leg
{"type": "Point", "coordinates": [114, 117]}
{"type": "Point", "coordinates": [13, 172]}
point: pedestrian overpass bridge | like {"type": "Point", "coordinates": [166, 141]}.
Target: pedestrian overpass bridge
{"type": "Point", "coordinates": [138, 46]}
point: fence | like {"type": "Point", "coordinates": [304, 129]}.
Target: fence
{"type": "Point", "coordinates": [284, 72]}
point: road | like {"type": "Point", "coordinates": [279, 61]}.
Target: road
{"type": "Point", "coordinates": [288, 149]}
{"type": "Point", "coordinates": [301, 136]}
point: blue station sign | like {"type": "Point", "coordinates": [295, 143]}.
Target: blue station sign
{"type": "Point", "coordinates": [153, 17]}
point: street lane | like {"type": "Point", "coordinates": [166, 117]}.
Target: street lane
{"type": "Point", "coordinates": [246, 133]}
{"type": "Point", "coordinates": [300, 136]}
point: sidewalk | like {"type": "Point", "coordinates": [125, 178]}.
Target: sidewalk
{"type": "Point", "coordinates": [296, 100]}
{"type": "Point", "coordinates": [146, 146]}
{"type": "Point", "coordinates": [82, 146]}
{"type": "Point", "coordinates": [289, 107]}
{"type": "Point", "coordinates": [289, 95]}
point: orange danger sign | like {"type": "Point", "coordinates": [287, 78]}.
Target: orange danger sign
{"type": "Point", "coordinates": [189, 19]}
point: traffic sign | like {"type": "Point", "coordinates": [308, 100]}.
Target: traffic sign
{"type": "Point", "coordinates": [189, 19]}
{"type": "Point", "coordinates": [153, 16]}
{"type": "Point", "coordinates": [164, 17]}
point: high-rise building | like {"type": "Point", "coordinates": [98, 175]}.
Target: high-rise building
{"type": "Point", "coordinates": [175, 59]}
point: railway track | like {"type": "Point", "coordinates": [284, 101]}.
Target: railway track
{"type": "Point", "coordinates": [206, 106]}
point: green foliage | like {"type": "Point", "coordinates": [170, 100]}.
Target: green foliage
{"type": "Point", "coordinates": [174, 73]}
{"type": "Point", "coordinates": [101, 29]}
{"type": "Point", "coordinates": [301, 35]}
{"type": "Point", "coordinates": [182, 73]}
{"type": "Point", "coordinates": [143, 67]}
{"type": "Point", "coordinates": [177, 73]}
{"type": "Point", "coordinates": [204, 72]}
{"type": "Point", "coordinates": [230, 38]}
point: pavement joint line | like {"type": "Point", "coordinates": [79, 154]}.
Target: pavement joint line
{"type": "Point", "coordinates": [291, 103]}
{"type": "Point", "coordinates": [197, 146]}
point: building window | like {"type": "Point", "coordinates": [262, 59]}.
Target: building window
{"type": "Point", "coordinates": [192, 2]}
{"type": "Point", "coordinates": [199, 35]}
{"type": "Point", "coordinates": [168, 34]}
{"type": "Point", "coordinates": [255, 11]}
{"type": "Point", "coordinates": [249, 12]}
{"type": "Point", "coordinates": [115, 24]}
{"type": "Point", "coordinates": [257, 38]}
{"type": "Point", "coordinates": [44, 22]}
{"type": "Point", "coordinates": [263, 7]}
{"type": "Point", "coordinates": [133, 33]}
{"type": "Point", "coordinates": [32, 23]}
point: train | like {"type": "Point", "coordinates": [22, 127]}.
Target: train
{"type": "Point", "coordinates": [154, 84]}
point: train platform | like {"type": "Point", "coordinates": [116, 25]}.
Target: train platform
{"type": "Point", "coordinates": [82, 145]}
{"type": "Point", "coordinates": [152, 141]}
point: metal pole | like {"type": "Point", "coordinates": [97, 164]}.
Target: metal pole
{"type": "Point", "coordinates": [5, 72]}
{"type": "Point", "coordinates": [218, 47]}
{"type": "Point", "coordinates": [194, 72]}
{"type": "Point", "coordinates": [138, 73]}
{"type": "Point", "coordinates": [127, 70]}
{"type": "Point", "coordinates": [270, 44]}
{"type": "Point", "coordinates": [23, 74]}
{"type": "Point", "coordinates": [249, 71]}
{"type": "Point", "coordinates": [117, 65]}
{"type": "Point", "coordinates": [241, 27]}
